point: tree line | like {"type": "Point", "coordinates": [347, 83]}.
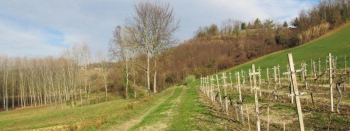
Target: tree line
{"type": "Point", "coordinates": [60, 80]}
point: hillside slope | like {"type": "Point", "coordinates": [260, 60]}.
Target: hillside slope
{"type": "Point", "coordinates": [281, 113]}
{"type": "Point", "coordinates": [336, 42]}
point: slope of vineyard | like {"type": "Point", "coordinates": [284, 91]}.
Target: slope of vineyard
{"type": "Point", "coordinates": [318, 114]}
{"type": "Point", "coordinates": [336, 42]}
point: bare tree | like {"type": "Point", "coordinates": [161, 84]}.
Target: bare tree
{"type": "Point", "coordinates": [103, 64]}
{"type": "Point", "coordinates": [151, 29]}
{"type": "Point", "coordinates": [121, 48]}
{"type": "Point", "coordinates": [5, 72]}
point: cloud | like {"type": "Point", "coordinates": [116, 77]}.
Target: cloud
{"type": "Point", "coordinates": [15, 41]}
{"type": "Point", "coordinates": [39, 28]}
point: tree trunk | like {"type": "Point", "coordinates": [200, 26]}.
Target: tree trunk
{"type": "Point", "coordinates": [148, 77]}
{"type": "Point", "coordinates": [88, 94]}
{"type": "Point", "coordinates": [6, 92]}
{"type": "Point", "coordinates": [127, 78]}
{"type": "Point", "coordinates": [105, 82]}
{"type": "Point", "coordinates": [155, 82]}
{"type": "Point", "coordinates": [155, 76]}
{"type": "Point", "coordinates": [13, 92]}
{"type": "Point", "coordinates": [81, 97]}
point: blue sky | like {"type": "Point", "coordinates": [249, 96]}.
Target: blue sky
{"type": "Point", "coordinates": [47, 27]}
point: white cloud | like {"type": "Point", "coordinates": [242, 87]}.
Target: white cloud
{"type": "Point", "coordinates": [15, 42]}
{"type": "Point", "coordinates": [55, 25]}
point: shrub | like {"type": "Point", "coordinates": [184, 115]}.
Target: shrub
{"type": "Point", "coordinates": [189, 79]}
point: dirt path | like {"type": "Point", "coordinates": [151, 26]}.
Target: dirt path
{"type": "Point", "coordinates": [162, 123]}
{"type": "Point", "coordinates": [128, 124]}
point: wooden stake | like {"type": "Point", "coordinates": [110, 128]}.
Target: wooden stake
{"type": "Point", "coordinates": [268, 79]}
{"type": "Point", "coordinates": [314, 63]}
{"type": "Point", "coordinates": [279, 77]}
{"type": "Point", "coordinates": [268, 117]}
{"type": "Point", "coordinates": [275, 82]}
{"type": "Point", "coordinates": [225, 86]}
{"type": "Point", "coordinates": [208, 87]}
{"type": "Point", "coordinates": [201, 86]}
{"type": "Point", "coordinates": [250, 81]}
{"type": "Point", "coordinates": [330, 81]}
{"type": "Point", "coordinates": [275, 74]}
{"type": "Point", "coordinates": [217, 82]}
{"type": "Point", "coordinates": [239, 88]}
{"type": "Point", "coordinates": [231, 80]}
{"type": "Point", "coordinates": [288, 71]}
{"type": "Point", "coordinates": [267, 76]}
{"type": "Point", "coordinates": [240, 99]}
{"type": "Point", "coordinates": [248, 117]}
{"type": "Point", "coordinates": [345, 62]}
{"type": "Point", "coordinates": [259, 85]}
{"type": "Point", "coordinates": [243, 79]}
{"type": "Point", "coordinates": [296, 92]}
{"type": "Point", "coordinates": [319, 66]}
{"type": "Point", "coordinates": [256, 98]}
{"type": "Point", "coordinates": [212, 89]}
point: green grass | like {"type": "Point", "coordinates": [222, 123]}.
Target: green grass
{"type": "Point", "coordinates": [39, 117]}
{"type": "Point", "coordinates": [96, 116]}
{"type": "Point", "coordinates": [336, 42]}
{"type": "Point", "coordinates": [321, 121]}
{"type": "Point", "coordinates": [160, 114]}
{"type": "Point", "coordinates": [191, 114]}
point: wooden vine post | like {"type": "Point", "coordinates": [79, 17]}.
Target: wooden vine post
{"type": "Point", "coordinates": [345, 62]}
{"type": "Point", "coordinates": [218, 84]}
{"type": "Point", "coordinates": [240, 98]}
{"type": "Point", "coordinates": [267, 76]}
{"type": "Point", "coordinates": [248, 117]}
{"type": "Point", "coordinates": [330, 80]}
{"type": "Point", "coordinates": [256, 96]}
{"type": "Point", "coordinates": [305, 74]}
{"type": "Point", "coordinates": [212, 89]}
{"type": "Point", "coordinates": [208, 87]}
{"type": "Point", "coordinates": [259, 85]}
{"type": "Point", "coordinates": [243, 79]}
{"type": "Point", "coordinates": [275, 82]}
{"type": "Point", "coordinates": [225, 86]}
{"type": "Point", "coordinates": [275, 74]}
{"type": "Point", "coordinates": [319, 66]}
{"type": "Point", "coordinates": [250, 81]}
{"type": "Point", "coordinates": [314, 69]}
{"type": "Point", "coordinates": [201, 87]}
{"type": "Point", "coordinates": [231, 80]}
{"type": "Point", "coordinates": [279, 76]}
{"type": "Point", "coordinates": [296, 92]}
{"type": "Point", "coordinates": [268, 117]}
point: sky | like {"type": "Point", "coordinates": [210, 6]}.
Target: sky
{"type": "Point", "coordinates": [39, 28]}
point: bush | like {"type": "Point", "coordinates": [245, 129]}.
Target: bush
{"type": "Point", "coordinates": [189, 79]}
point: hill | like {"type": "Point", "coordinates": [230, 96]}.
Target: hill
{"type": "Point", "coordinates": [336, 42]}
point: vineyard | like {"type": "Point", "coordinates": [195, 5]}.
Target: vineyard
{"type": "Point", "coordinates": [313, 96]}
